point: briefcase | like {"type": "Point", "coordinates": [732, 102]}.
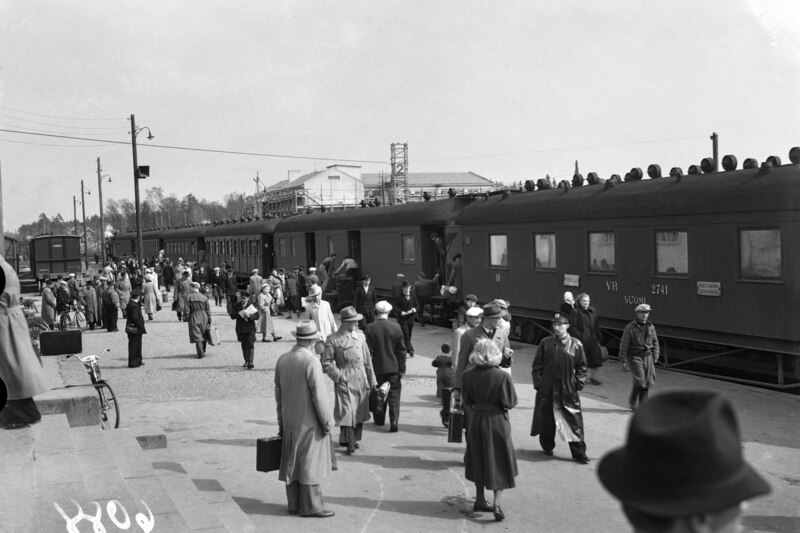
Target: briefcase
{"type": "Point", "coordinates": [268, 453]}
{"type": "Point", "coordinates": [212, 336]}
{"type": "Point", "coordinates": [455, 430]}
{"type": "Point", "coordinates": [60, 342]}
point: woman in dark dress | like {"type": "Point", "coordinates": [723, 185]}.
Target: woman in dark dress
{"type": "Point", "coordinates": [133, 312]}
{"type": "Point", "coordinates": [405, 307]}
{"type": "Point", "coordinates": [585, 326]}
{"type": "Point", "coordinates": [490, 460]}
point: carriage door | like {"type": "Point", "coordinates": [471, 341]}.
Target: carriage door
{"type": "Point", "coordinates": [431, 261]}
{"type": "Point", "coordinates": [267, 254]}
{"type": "Point", "coordinates": [354, 247]}
{"type": "Point", "coordinates": [311, 250]}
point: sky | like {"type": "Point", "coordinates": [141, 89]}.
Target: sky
{"type": "Point", "coordinates": [510, 90]}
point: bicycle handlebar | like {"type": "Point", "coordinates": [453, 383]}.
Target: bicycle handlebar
{"type": "Point", "coordinates": [89, 358]}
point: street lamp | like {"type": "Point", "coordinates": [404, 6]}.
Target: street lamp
{"type": "Point", "coordinates": [102, 220]}
{"type": "Point", "coordinates": [85, 247]}
{"type": "Point", "coordinates": [136, 177]}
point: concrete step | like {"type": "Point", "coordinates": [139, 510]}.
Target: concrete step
{"type": "Point", "coordinates": [79, 403]}
{"type": "Point", "coordinates": [17, 480]}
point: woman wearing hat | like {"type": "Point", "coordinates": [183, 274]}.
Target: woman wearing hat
{"type": "Point", "coordinates": [347, 362]}
{"type": "Point", "coordinates": [639, 347]}
{"type": "Point", "coordinates": [320, 312]}
{"type": "Point", "coordinates": [150, 296]}
{"type": "Point", "coordinates": [489, 461]}
{"type": "Point", "coordinates": [264, 304]}
{"type": "Point", "coordinates": [199, 318]}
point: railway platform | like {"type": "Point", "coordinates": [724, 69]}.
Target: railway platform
{"type": "Point", "coordinates": [184, 456]}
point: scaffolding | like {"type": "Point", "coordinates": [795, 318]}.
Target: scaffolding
{"type": "Point", "coordinates": [399, 177]}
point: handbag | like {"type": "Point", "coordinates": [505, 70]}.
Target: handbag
{"type": "Point", "coordinates": [131, 328]}
{"type": "Point", "coordinates": [455, 429]}
{"type": "Point", "coordinates": [603, 353]}
{"type": "Point", "coordinates": [212, 336]}
{"type": "Point", "coordinates": [268, 453]}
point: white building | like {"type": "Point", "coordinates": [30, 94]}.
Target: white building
{"type": "Point", "coordinates": [335, 187]}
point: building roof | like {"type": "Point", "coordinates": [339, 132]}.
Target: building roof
{"type": "Point", "coordinates": [433, 179]}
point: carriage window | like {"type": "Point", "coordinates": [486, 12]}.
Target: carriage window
{"type": "Point", "coordinates": [544, 245]}
{"type": "Point", "coordinates": [601, 251]}
{"type": "Point", "coordinates": [672, 252]}
{"type": "Point", "coordinates": [330, 246]}
{"type": "Point", "coordinates": [498, 251]}
{"type": "Point", "coordinates": [407, 245]}
{"type": "Point", "coordinates": [760, 253]}
{"type": "Point", "coordinates": [282, 247]}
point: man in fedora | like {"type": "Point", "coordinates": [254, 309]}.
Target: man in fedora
{"type": "Point", "coordinates": [388, 349]}
{"type": "Point", "coordinates": [681, 469]}
{"type": "Point", "coordinates": [347, 362]}
{"type": "Point", "coordinates": [305, 422]}
{"type": "Point", "coordinates": [639, 347]}
{"type": "Point", "coordinates": [559, 372]}
{"type": "Point", "coordinates": [364, 300]}
{"type": "Point", "coordinates": [254, 283]}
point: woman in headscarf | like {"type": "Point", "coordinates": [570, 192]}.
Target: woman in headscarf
{"type": "Point", "coordinates": [199, 318]}
{"type": "Point", "coordinates": [489, 461]}
{"type": "Point", "coordinates": [20, 369]}
{"type": "Point", "coordinates": [568, 304]}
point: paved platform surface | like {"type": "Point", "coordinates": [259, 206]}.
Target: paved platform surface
{"type": "Point", "coordinates": [208, 413]}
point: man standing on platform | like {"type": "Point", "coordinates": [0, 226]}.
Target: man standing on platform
{"type": "Point", "coordinates": [305, 422]}
{"type": "Point", "coordinates": [639, 348]}
{"type": "Point", "coordinates": [365, 300]}
{"type": "Point", "coordinates": [388, 349]}
{"type": "Point", "coordinates": [254, 286]}
{"type": "Point", "coordinates": [110, 306]}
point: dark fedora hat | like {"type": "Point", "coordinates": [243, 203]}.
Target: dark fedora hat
{"type": "Point", "coordinates": [492, 310]}
{"type": "Point", "coordinates": [683, 457]}
{"type": "Point", "coordinates": [306, 329]}
{"type": "Point", "coordinates": [349, 314]}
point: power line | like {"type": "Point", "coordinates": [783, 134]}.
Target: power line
{"type": "Point", "coordinates": [56, 116]}
{"type": "Point", "coordinates": [186, 148]}
{"type": "Point", "coordinates": [37, 130]}
{"type": "Point", "coordinates": [110, 129]}
{"type": "Point", "coordinates": [55, 145]}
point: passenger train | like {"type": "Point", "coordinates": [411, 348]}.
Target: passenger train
{"type": "Point", "coordinates": [715, 253]}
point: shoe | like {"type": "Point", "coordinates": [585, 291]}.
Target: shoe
{"type": "Point", "coordinates": [357, 445]}
{"type": "Point", "coordinates": [548, 453]}
{"type": "Point", "coordinates": [499, 516]}
{"type": "Point", "coordinates": [321, 514]}
{"type": "Point", "coordinates": [265, 340]}
{"type": "Point", "coordinates": [393, 428]}
{"type": "Point", "coordinates": [595, 381]}
{"type": "Point", "coordinates": [411, 354]}
{"type": "Point", "coordinates": [350, 449]}
{"type": "Point", "coordinates": [250, 366]}
{"type": "Point", "coordinates": [293, 512]}
{"type": "Point", "coordinates": [141, 364]}
{"type": "Point", "coordinates": [633, 407]}
{"type": "Point", "coordinates": [244, 365]}
{"type": "Point", "coordinates": [276, 338]}
{"type": "Point", "coordinates": [482, 507]}
{"type": "Point", "coordinates": [582, 460]}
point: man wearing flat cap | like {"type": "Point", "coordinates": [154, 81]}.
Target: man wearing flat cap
{"type": "Point", "coordinates": [347, 362]}
{"type": "Point", "coordinates": [305, 422]}
{"type": "Point", "coordinates": [639, 347]}
{"type": "Point", "coordinates": [559, 372]}
{"type": "Point", "coordinates": [388, 349]}
{"type": "Point", "coordinates": [682, 469]}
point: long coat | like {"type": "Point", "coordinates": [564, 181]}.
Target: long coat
{"type": "Point", "coordinates": [320, 312]}
{"type": "Point", "coordinates": [385, 342]}
{"type": "Point", "coordinates": [150, 297]}
{"type": "Point", "coordinates": [559, 372]}
{"type": "Point", "coordinates": [48, 306]}
{"type": "Point", "coordinates": [89, 297]}
{"type": "Point", "coordinates": [264, 303]}
{"type": "Point", "coordinates": [134, 316]}
{"type": "Point", "coordinates": [199, 316]}
{"type": "Point", "coordinates": [181, 292]}
{"type": "Point", "coordinates": [585, 326]}
{"type": "Point", "coordinates": [490, 460]}
{"type": "Point", "coordinates": [20, 369]}
{"type": "Point", "coordinates": [123, 288]}
{"type": "Point", "coordinates": [304, 418]}
{"type": "Point", "coordinates": [254, 284]}
{"type": "Point", "coordinates": [347, 362]}
{"type": "Point", "coordinates": [468, 341]}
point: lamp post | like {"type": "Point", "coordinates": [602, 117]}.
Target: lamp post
{"type": "Point", "coordinates": [134, 132]}
{"type": "Point", "coordinates": [102, 220]}
{"type": "Point", "coordinates": [85, 247]}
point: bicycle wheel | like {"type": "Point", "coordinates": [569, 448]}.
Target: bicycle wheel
{"type": "Point", "coordinates": [80, 320]}
{"type": "Point", "coordinates": [109, 408]}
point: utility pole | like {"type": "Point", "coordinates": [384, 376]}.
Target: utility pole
{"type": "Point", "coordinates": [102, 222]}
{"type": "Point", "coordinates": [74, 216]}
{"type": "Point", "coordinates": [85, 247]}
{"type": "Point", "coordinates": [136, 192]}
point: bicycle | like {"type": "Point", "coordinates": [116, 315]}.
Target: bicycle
{"type": "Point", "coordinates": [72, 318]}
{"type": "Point", "coordinates": [109, 408]}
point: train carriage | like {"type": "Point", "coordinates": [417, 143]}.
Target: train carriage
{"type": "Point", "coordinates": [53, 255]}
{"type": "Point", "coordinates": [124, 244]}
{"type": "Point", "coordinates": [186, 243]}
{"type": "Point", "coordinates": [244, 245]}
{"type": "Point", "coordinates": [714, 254]}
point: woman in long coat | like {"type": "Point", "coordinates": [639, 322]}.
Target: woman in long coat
{"type": "Point", "coordinates": [49, 304]}
{"type": "Point", "coordinates": [490, 460]}
{"type": "Point", "coordinates": [347, 362]}
{"type": "Point", "coordinates": [90, 299]}
{"type": "Point", "coordinates": [123, 288]}
{"type": "Point", "coordinates": [585, 326]}
{"type": "Point", "coordinates": [264, 305]}
{"type": "Point", "coordinates": [150, 296]}
{"type": "Point", "coordinates": [199, 318]}
{"type": "Point", "coordinates": [20, 369]}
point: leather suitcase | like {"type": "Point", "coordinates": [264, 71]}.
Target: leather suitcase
{"type": "Point", "coordinates": [455, 431]}
{"type": "Point", "coordinates": [268, 453]}
{"type": "Point", "coordinates": [60, 342]}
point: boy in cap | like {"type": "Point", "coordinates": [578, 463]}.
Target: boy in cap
{"type": "Point", "coordinates": [681, 469]}
{"type": "Point", "coordinates": [445, 377]}
{"type": "Point", "coordinates": [639, 348]}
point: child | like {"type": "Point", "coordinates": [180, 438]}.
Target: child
{"type": "Point", "coordinates": [445, 376]}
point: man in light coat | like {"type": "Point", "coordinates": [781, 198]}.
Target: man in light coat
{"type": "Point", "coordinates": [254, 285]}
{"type": "Point", "coordinates": [388, 349]}
{"type": "Point", "coordinates": [305, 422]}
{"type": "Point", "coordinates": [48, 303]}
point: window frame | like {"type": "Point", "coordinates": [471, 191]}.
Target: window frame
{"type": "Point", "coordinates": [403, 259]}
{"type": "Point", "coordinates": [555, 251]}
{"type": "Point", "coordinates": [656, 271]}
{"type": "Point", "coordinates": [754, 278]}
{"type": "Point", "coordinates": [590, 269]}
{"type": "Point", "coordinates": [489, 254]}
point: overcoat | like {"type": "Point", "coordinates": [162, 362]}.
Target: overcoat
{"type": "Point", "coordinates": [89, 297]}
{"type": "Point", "coordinates": [304, 418]}
{"type": "Point", "coordinates": [199, 316]}
{"type": "Point", "coordinates": [48, 306]}
{"type": "Point", "coordinates": [320, 312]}
{"type": "Point", "coordinates": [585, 326]}
{"type": "Point", "coordinates": [639, 346]}
{"type": "Point", "coordinates": [388, 349]}
{"type": "Point", "coordinates": [134, 316]}
{"type": "Point", "coordinates": [123, 288]}
{"type": "Point", "coordinates": [559, 372]}
{"type": "Point", "coordinates": [150, 297]}
{"type": "Point", "coordinates": [181, 292]}
{"type": "Point", "coordinates": [468, 341]}
{"type": "Point", "coordinates": [254, 284]}
{"type": "Point", "coordinates": [347, 362]}
{"type": "Point", "coordinates": [490, 460]}
{"type": "Point", "coordinates": [264, 303]}
{"type": "Point", "coordinates": [20, 369]}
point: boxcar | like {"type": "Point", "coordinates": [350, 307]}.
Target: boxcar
{"type": "Point", "coordinates": [715, 255]}
{"type": "Point", "coordinates": [52, 255]}
{"type": "Point", "coordinates": [244, 245]}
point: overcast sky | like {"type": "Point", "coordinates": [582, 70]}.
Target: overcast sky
{"type": "Point", "coordinates": [509, 90]}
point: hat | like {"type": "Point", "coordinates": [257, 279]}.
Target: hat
{"type": "Point", "coordinates": [195, 285]}
{"type": "Point", "coordinates": [349, 314]}
{"type": "Point", "coordinates": [401, 275]}
{"type": "Point", "coordinates": [643, 307]}
{"type": "Point", "coordinates": [254, 271]}
{"type": "Point", "coordinates": [148, 277]}
{"type": "Point", "coordinates": [365, 277]}
{"type": "Point", "coordinates": [560, 318]}
{"type": "Point", "coordinates": [474, 311]}
{"type": "Point", "coordinates": [471, 298]}
{"type": "Point", "coordinates": [492, 310]}
{"type": "Point", "coordinates": [315, 290]}
{"type": "Point", "coordinates": [502, 303]}
{"type": "Point", "coordinates": [306, 329]}
{"type": "Point", "coordinates": [216, 268]}
{"type": "Point", "coordinates": [72, 274]}
{"type": "Point", "coordinates": [312, 269]}
{"type": "Point", "coordinates": [135, 293]}
{"type": "Point", "coordinates": [682, 457]}
{"type": "Point", "coordinates": [383, 307]}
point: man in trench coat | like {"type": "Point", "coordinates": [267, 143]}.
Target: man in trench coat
{"type": "Point", "coordinates": [305, 422]}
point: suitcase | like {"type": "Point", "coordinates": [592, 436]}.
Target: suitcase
{"type": "Point", "coordinates": [455, 430]}
{"type": "Point", "coordinates": [60, 342]}
{"type": "Point", "coordinates": [268, 453]}
{"type": "Point", "coordinates": [212, 335]}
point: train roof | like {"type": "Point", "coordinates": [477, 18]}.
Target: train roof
{"type": "Point", "coordinates": [752, 190]}
{"type": "Point", "coordinates": [411, 214]}
{"type": "Point", "coordinates": [242, 228]}
{"type": "Point", "coordinates": [147, 234]}
{"type": "Point", "coordinates": [50, 236]}
{"type": "Point", "coordinates": [186, 233]}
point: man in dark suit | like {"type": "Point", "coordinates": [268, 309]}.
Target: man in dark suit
{"type": "Point", "coordinates": [365, 300]}
{"type": "Point", "coordinates": [133, 313]}
{"type": "Point", "coordinates": [388, 350]}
